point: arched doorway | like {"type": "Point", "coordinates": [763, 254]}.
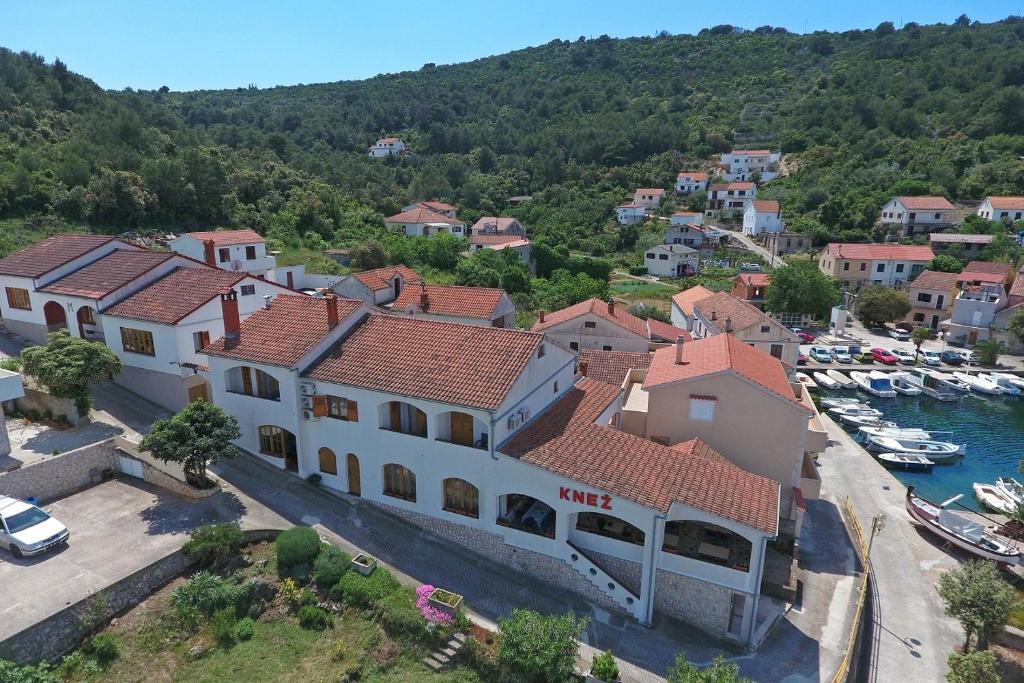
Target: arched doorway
{"type": "Point", "coordinates": [55, 317]}
{"type": "Point", "coordinates": [276, 442]}
{"type": "Point", "coordinates": [87, 329]}
{"type": "Point", "coordinates": [352, 463]}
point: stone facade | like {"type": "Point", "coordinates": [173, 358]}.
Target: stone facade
{"type": "Point", "coordinates": [626, 572]}
{"type": "Point", "coordinates": [60, 475]}
{"type": "Point", "coordinates": [697, 602]}
{"type": "Point", "coordinates": [41, 401]}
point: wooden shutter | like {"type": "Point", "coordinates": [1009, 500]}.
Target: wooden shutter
{"type": "Point", "coordinates": [246, 381]}
{"type": "Point", "coordinates": [319, 406]}
{"type": "Point", "coordinates": [353, 411]}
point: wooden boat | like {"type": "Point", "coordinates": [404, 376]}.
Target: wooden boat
{"type": "Point", "coordinates": [979, 384]}
{"type": "Point", "coordinates": [905, 461]}
{"type": "Point", "coordinates": [901, 384]}
{"type": "Point", "coordinates": [874, 382]}
{"type": "Point", "coordinates": [993, 498]}
{"type": "Point", "coordinates": [1003, 381]}
{"type": "Point", "coordinates": [825, 381]}
{"type": "Point", "coordinates": [806, 380]}
{"type": "Point", "coordinates": [960, 531]}
{"type": "Point", "coordinates": [842, 380]}
{"type": "Point", "coordinates": [936, 451]}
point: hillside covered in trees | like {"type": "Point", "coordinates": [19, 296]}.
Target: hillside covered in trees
{"type": "Point", "coordinates": [861, 115]}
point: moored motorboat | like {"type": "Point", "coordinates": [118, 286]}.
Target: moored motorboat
{"type": "Point", "coordinates": [806, 380]}
{"type": "Point", "coordinates": [1002, 381]}
{"type": "Point", "coordinates": [925, 379]}
{"type": "Point", "coordinates": [905, 461]}
{"type": "Point", "coordinates": [979, 384]}
{"type": "Point", "coordinates": [1011, 488]}
{"type": "Point", "coordinates": [952, 382]}
{"type": "Point", "coordinates": [936, 451]}
{"type": "Point", "coordinates": [901, 384]}
{"type": "Point", "coordinates": [865, 421]}
{"type": "Point", "coordinates": [842, 380]}
{"type": "Point", "coordinates": [863, 410]}
{"type": "Point", "coordinates": [836, 401]}
{"type": "Point", "coordinates": [826, 381]}
{"type": "Point", "coordinates": [1011, 379]}
{"type": "Point", "coordinates": [874, 382]}
{"type": "Point", "coordinates": [959, 530]}
{"type": "Point", "coordinates": [993, 498]}
{"type": "Point", "coordinates": [892, 430]}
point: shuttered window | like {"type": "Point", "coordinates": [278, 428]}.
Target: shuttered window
{"type": "Point", "coordinates": [137, 341]}
{"type": "Point", "coordinates": [328, 461]}
{"type": "Point", "coordinates": [18, 298]}
{"type": "Point", "coordinates": [342, 408]}
{"type": "Point", "coordinates": [399, 482]}
{"type": "Point", "coordinates": [462, 498]}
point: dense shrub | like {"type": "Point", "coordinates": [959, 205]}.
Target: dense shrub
{"type": "Point", "coordinates": [314, 618]}
{"type": "Point", "coordinates": [330, 566]}
{"type": "Point", "coordinates": [638, 270]}
{"type": "Point", "coordinates": [400, 617]}
{"type": "Point", "coordinates": [214, 545]}
{"type": "Point", "coordinates": [206, 593]}
{"type": "Point", "coordinates": [357, 590]}
{"type": "Point", "coordinates": [222, 626]}
{"type": "Point", "coordinates": [103, 648]}
{"type": "Point", "coordinates": [30, 673]}
{"type": "Point", "coordinates": [604, 667]}
{"type": "Point", "coordinates": [245, 629]}
{"type": "Point", "coordinates": [297, 549]}
{"type": "Point", "coordinates": [535, 648]}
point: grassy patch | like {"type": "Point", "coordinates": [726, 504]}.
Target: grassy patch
{"type": "Point", "coordinates": [637, 289]}
{"type": "Point", "coordinates": [1017, 615]}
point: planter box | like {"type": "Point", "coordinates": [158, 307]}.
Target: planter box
{"type": "Point", "coordinates": [364, 564]}
{"type": "Point", "coordinates": [445, 601]}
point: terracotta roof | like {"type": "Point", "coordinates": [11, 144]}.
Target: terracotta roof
{"type": "Point", "coordinates": [754, 279]}
{"type": "Point", "coordinates": [440, 207]}
{"type": "Point", "coordinates": [722, 306]}
{"type": "Point", "coordinates": [176, 295]}
{"type": "Point", "coordinates": [649, 190]}
{"type": "Point", "coordinates": [380, 278]}
{"type": "Point", "coordinates": [956, 237]}
{"type": "Point", "coordinates": [751, 151]}
{"type": "Point", "coordinates": [565, 440]}
{"type": "Point", "coordinates": [934, 279]}
{"type": "Point", "coordinates": [285, 332]}
{"type": "Point", "coordinates": [225, 237]}
{"type": "Point", "coordinates": [507, 244]}
{"type": "Point", "coordinates": [693, 175]}
{"type": "Point", "coordinates": [499, 223]}
{"type": "Point", "coordinates": [49, 254]}
{"type": "Point", "coordinates": [881, 252]}
{"type": "Point", "coordinates": [1018, 286]}
{"type": "Point", "coordinates": [461, 302]}
{"type": "Point", "coordinates": [765, 205]}
{"type": "Point", "coordinates": [463, 365]}
{"type": "Point", "coordinates": [1007, 203]}
{"type": "Point", "coordinates": [659, 331]}
{"type": "Point", "coordinates": [925, 203]}
{"type": "Point", "coordinates": [422, 214]}
{"type": "Point", "coordinates": [611, 366]}
{"type": "Point", "coordinates": [621, 317]}
{"type": "Point", "coordinates": [732, 186]}
{"type": "Point", "coordinates": [108, 274]}
{"type": "Point", "coordinates": [720, 353]}
{"type": "Point", "coordinates": [386, 140]}
{"type": "Point", "coordinates": [982, 277]}
{"type": "Point", "coordinates": [687, 213]}
{"type": "Point", "coordinates": [993, 267]}
{"type": "Point", "coordinates": [688, 297]}
{"type": "Point", "coordinates": [510, 240]}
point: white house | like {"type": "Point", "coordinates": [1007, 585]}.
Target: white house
{"type": "Point", "coordinates": [237, 250]}
{"type": "Point", "coordinates": [917, 215]}
{"type": "Point", "coordinates": [1002, 208]}
{"type": "Point", "coordinates": [762, 216]}
{"type": "Point", "coordinates": [729, 199]}
{"type": "Point", "coordinates": [379, 286]}
{"type": "Point", "coordinates": [605, 326]}
{"type": "Point", "coordinates": [628, 214]}
{"type": "Point", "coordinates": [32, 314]}
{"type": "Point", "coordinates": [498, 225]}
{"type": "Point", "coordinates": [386, 147]}
{"type": "Point", "coordinates": [741, 164]}
{"type": "Point", "coordinates": [158, 331]}
{"type": "Point", "coordinates": [492, 446]}
{"type": "Point", "coordinates": [486, 306]}
{"type": "Point", "coordinates": [671, 260]}
{"type": "Point", "coordinates": [687, 218]}
{"type": "Point", "coordinates": [649, 197]}
{"type": "Point", "coordinates": [521, 246]}
{"type": "Point", "coordinates": [426, 222]}
{"type": "Point", "coordinates": [688, 182]}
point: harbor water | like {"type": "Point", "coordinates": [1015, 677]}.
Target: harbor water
{"type": "Point", "coordinates": [991, 426]}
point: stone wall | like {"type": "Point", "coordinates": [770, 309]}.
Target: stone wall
{"type": "Point", "coordinates": [41, 401]}
{"type": "Point", "coordinates": [697, 602]}
{"type": "Point", "coordinates": [62, 474]}
{"type": "Point", "coordinates": [628, 573]}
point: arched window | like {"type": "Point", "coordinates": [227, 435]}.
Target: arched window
{"type": "Point", "coordinates": [328, 461]}
{"type": "Point", "coordinates": [609, 526]}
{"type": "Point", "coordinates": [708, 543]}
{"type": "Point", "coordinates": [253, 382]}
{"type": "Point", "coordinates": [406, 418]}
{"type": "Point", "coordinates": [461, 497]}
{"type": "Point", "coordinates": [399, 482]}
{"type": "Point", "coordinates": [274, 441]}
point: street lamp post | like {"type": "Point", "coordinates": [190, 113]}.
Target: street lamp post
{"type": "Point", "coordinates": [877, 525]}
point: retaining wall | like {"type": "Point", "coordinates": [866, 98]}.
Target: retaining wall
{"type": "Point", "coordinates": [62, 474]}
{"type": "Point", "coordinates": [41, 401]}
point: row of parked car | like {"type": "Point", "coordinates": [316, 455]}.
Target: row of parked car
{"type": "Point", "coordinates": [896, 356]}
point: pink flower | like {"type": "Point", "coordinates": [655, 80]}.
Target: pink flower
{"type": "Point", "coordinates": [430, 613]}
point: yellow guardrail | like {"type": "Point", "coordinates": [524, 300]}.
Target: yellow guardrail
{"type": "Point", "coordinates": [862, 547]}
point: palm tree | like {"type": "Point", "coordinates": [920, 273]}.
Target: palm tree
{"type": "Point", "coordinates": [919, 336]}
{"type": "Point", "coordinates": [989, 351]}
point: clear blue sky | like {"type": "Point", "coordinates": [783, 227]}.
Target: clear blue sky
{"type": "Point", "coordinates": [229, 43]}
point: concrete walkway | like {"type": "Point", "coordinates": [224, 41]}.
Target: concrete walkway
{"type": "Point", "coordinates": [912, 636]}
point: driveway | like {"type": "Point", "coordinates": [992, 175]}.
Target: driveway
{"type": "Point", "coordinates": [117, 528]}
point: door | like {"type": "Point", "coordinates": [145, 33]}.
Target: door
{"type": "Point", "coordinates": [131, 467]}
{"type": "Point", "coordinates": [940, 301]}
{"type": "Point", "coordinates": [972, 338]}
{"type": "Point", "coordinates": [291, 279]}
{"type": "Point", "coordinates": [353, 474]}
{"type": "Point", "coordinates": [421, 423]}
{"type": "Point", "coordinates": [462, 429]}
{"type": "Point", "coordinates": [200, 392]}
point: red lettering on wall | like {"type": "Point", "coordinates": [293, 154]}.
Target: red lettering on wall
{"type": "Point", "coordinates": [563, 493]}
{"type": "Point", "coordinates": [606, 502]}
{"type": "Point", "coordinates": [577, 496]}
{"type": "Point", "coordinates": [592, 500]}
{"type": "Point", "coordinates": [603, 501]}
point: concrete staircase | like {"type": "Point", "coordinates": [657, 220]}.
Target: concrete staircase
{"type": "Point", "coordinates": [443, 657]}
{"type": "Point", "coordinates": [602, 580]}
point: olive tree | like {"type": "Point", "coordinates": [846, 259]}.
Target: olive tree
{"type": "Point", "coordinates": [535, 648]}
{"type": "Point", "coordinates": [196, 436]}
{"type": "Point", "coordinates": [67, 365]}
{"type": "Point", "coordinates": [979, 598]}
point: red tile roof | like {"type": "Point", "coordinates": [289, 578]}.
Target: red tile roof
{"type": "Point", "coordinates": [176, 295]}
{"type": "Point", "coordinates": [688, 297]}
{"type": "Point", "coordinates": [621, 317]}
{"type": "Point", "coordinates": [611, 366]}
{"type": "Point", "coordinates": [439, 207]}
{"type": "Point", "coordinates": [881, 252]}
{"type": "Point", "coordinates": [925, 203]}
{"type": "Point", "coordinates": [754, 279]}
{"type": "Point", "coordinates": [718, 354]}
{"type": "Point", "coordinates": [386, 140]}
{"type": "Point", "coordinates": [933, 279]}
{"type": "Point", "coordinates": [986, 278]}
{"type": "Point", "coordinates": [422, 214]}
{"type": "Point", "coordinates": [49, 254]}
{"type": "Point", "coordinates": [225, 237]}
{"type": "Point", "coordinates": [751, 151]}
{"type": "Point", "coordinates": [659, 331]}
{"type": "Point", "coordinates": [766, 206]}
{"type": "Point", "coordinates": [1007, 203]}
{"type": "Point", "coordinates": [464, 365]}
{"type": "Point", "coordinates": [1018, 286]}
{"type": "Point", "coordinates": [380, 278]}
{"type": "Point", "coordinates": [498, 239]}
{"type": "Point", "coordinates": [993, 267]}
{"type": "Point", "coordinates": [732, 186]}
{"type": "Point", "coordinates": [565, 440]}
{"type": "Point", "coordinates": [108, 274]}
{"type": "Point", "coordinates": [722, 306]}
{"type": "Point", "coordinates": [693, 175]}
{"type": "Point", "coordinates": [498, 223]}
{"type": "Point", "coordinates": [649, 190]}
{"type": "Point", "coordinates": [461, 302]}
{"type": "Point", "coordinates": [285, 332]}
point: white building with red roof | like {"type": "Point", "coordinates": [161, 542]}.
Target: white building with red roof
{"type": "Point", "coordinates": [688, 182]}
{"type": "Point", "coordinates": [498, 225]}
{"type": "Point", "coordinates": [235, 250]}
{"type": "Point", "coordinates": [628, 214]}
{"type": "Point", "coordinates": [435, 206]}
{"type": "Point", "coordinates": [762, 216]}
{"type": "Point", "coordinates": [486, 306]}
{"type": "Point", "coordinates": [518, 244]}
{"type": "Point", "coordinates": [918, 215]}
{"type": "Point", "coordinates": [425, 222]}
{"type": "Point", "coordinates": [649, 197]}
{"type": "Point", "coordinates": [686, 218]}
{"type": "Point", "coordinates": [385, 147]}
{"type": "Point", "coordinates": [889, 265]}
{"type": "Point", "coordinates": [378, 286]}
{"type": "Point", "coordinates": [671, 260]}
{"type": "Point", "coordinates": [604, 325]}
{"type": "Point", "coordinates": [729, 199]}
{"type": "Point", "coordinates": [747, 164]}
{"type": "Point", "coordinates": [1002, 208]}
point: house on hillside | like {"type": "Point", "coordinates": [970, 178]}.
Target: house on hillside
{"type": "Point", "coordinates": [931, 297]}
{"type": "Point", "coordinates": [729, 199]}
{"type": "Point", "coordinates": [236, 250]}
{"type": "Point", "coordinates": [426, 222]}
{"type": "Point", "coordinates": [520, 245]}
{"type": "Point", "coordinates": [436, 207]}
{"type": "Point", "coordinates": [917, 215]}
{"type": "Point", "coordinates": [628, 214]}
{"type": "Point", "coordinates": [783, 243]}
{"type": "Point", "coordinates": [1002, 208]}
{"type": "Point", "coordinates": [751, 288]}
{"type": "Point", "coordinates": [671, 260]}
{"type": "Point", "coordinates": [686, 218]}
{"type": "Point", "coordinates": [688, 182]}
{"type": "Point", "coordinates": [743, 164]}
{"type": "Point", "coordinates": [985, 273]}
{"type": "Point", "coordinates": [386, 147]}
{"type": "Point", "coordinates": [604, 325]}
{"type": "Point", "coordinates": [649, 197]}
{"type": "Point", "coordinates": [690, 235]}
{"type": "Point", "coordinates": [974, 312]}
{"type": "Point", "coordinates": [498, 225]}
{"type": "Point", "coordinates": [379, 286]}
{"type": "Point", "coordinates": [859, 265]}
{"type": "Point", "coordinates": [971, 245]}
{"type": "Point", "coordinates": [762, 216]}
{"type": "Point", "coordinates": [722, 313]}
{"type": "Point", "coordinates": [484, 306]}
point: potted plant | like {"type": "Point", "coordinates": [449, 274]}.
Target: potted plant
{"type": "Point", "coordinates": [603, 669]}
{"type": "Point", "coordinates": [445, 601]}
{"type": "Point", "coordinates": [364, 564]}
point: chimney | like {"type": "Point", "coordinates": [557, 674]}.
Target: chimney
{"type": "Point", "coordinates": [332, 311]}
{"type": "Point", "coordinates": [208, 254]}
{"type": "Point", "coordinates": [232, 324]}
{"type": "Point", "coordinates": [583, 368]}
{"type": "Point", "coordinates": [424, 301]}
{"type": "Point", "coordinates": [611, 306]}
{"type": "Point", "coordinates": [714, 315]}
{"type": "Point", "coordinates": [541, 315]}
{"type": "Point", "coordinates": [679, 349]}
{"type": "Point", "coordinates": [266, 301]}
{"type": "Point", "coordinates": [728, 324]}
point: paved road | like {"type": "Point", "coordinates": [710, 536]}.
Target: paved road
{"type": "Point", "coordinates": [754, 247]}
{"type": "Point", "coordinates": [912, 635]}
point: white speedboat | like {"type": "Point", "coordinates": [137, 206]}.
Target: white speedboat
{"type": "Point", "coordinates": [1011, 488]}
{"type": "Point", "coordinates": [825, 381]}
{"type": "Point", "coordinates": [806, 380]}
{"type": "Point", "coordinates": [836, 401]}
{"type": "Point", "coordinates": [960, 531]}
{"type": "Point", "coordinates": [1012, 380]}
{"type": "Point", "coordinates": [842, 380]}
{"type": "Point", "coordinates": [904, 461]}
{"type": "Point", "coordinates": [925, 379]}
{"type": "Point", "coordinates": [1002, 381]}
{"type": "Point", "coordinates": [865, 421]}
{"type": "Point", "coordinates": [936, 451]}
{"type": "Point", "coordinates": [874, 382]}
{"type": "Point", "coordinates": [992, 497]}
{"type": "Point", "coordinates": [839, 411]}
{"type": "Point", "coordinates": [893, 430]}
{"type": "Point", "coordinates": [979, 384]}
{"type": "Point", "coordinates": [952, 381]}
{"type": "Point", "coordinates": [901, 384]}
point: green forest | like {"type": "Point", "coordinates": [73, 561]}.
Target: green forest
{"type": "Point", "coordinates": [861, 115]}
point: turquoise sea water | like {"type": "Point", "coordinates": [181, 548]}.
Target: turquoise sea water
{"type": "Point", "coordinates": [992, 428]}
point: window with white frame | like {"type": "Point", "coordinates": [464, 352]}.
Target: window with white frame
{"type": "Point", "coordinates": [702, 408]}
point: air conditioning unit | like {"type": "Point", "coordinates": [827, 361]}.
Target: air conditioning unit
{"type": "Point", "coordinates": [307, 402]}
{"type": "Point", "coordinates": [308, 415]}
{"type": "Point", "coordinates": [307, 388]}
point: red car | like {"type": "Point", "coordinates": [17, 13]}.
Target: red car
{"type": "Point", "coordinates": [882, 356]}
{"type": "Point", "coordinates": [805, 337]}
